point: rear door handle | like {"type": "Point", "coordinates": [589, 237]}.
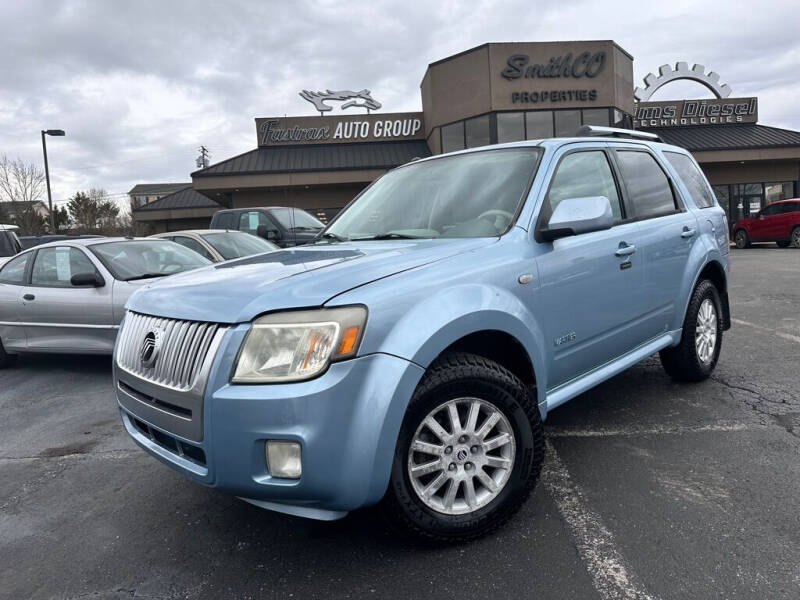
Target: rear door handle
{"type": "Point", "coordinates": [687, 232]}
{"type": "Point", "coordinates": [625, 249]}
{"type": "Point", "coordinates": [29, 297]}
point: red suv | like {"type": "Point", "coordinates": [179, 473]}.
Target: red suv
{"type": "Point", "coordinates": [778, 222]}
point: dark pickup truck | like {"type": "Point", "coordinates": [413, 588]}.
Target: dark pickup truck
{"type": "Point", "coordinates": [284, 226]}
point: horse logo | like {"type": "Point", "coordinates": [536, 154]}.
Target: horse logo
{"type": "Point", "coordinates": [318, 99]}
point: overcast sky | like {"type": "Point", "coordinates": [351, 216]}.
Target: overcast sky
{"type": "Point", "coordinates": [138, 86]}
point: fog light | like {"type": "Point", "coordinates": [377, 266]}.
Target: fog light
{"type": "Point", "coordinates": [284, 459]}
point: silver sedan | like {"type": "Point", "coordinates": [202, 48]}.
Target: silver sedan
{"type": "Point", "coordinates": [219, 244]}
{"type": "Point", "coordinates": [69, 297]}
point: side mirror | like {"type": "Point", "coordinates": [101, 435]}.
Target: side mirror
{"type": "Point", "coordinates": [574, 216]}
{"type": "Point", "coordinates": [87, 280]}
{"type": "Point", "coordinates": [268, 233]}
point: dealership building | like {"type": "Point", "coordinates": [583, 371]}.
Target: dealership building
{"type": "Point", "coordinates": [494, 93]}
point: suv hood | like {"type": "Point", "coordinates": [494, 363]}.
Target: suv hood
{"type": "Point", "coordinates": [237, 291]}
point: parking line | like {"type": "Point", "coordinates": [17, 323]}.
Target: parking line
{"type": "Point", "coordinates": [786, 336]}
{"type": "Point", "coordinates": [658, 430]}
{"type": "Point", "coordinates": [612, 579]}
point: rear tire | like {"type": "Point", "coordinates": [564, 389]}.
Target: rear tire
{"type": "Point", "coordinates": [481, 478]}
{"type": "Point", "coordinates": [783, 244]}
{"type": "Point", "coordinates": [695, 357]}
{"type": "Point", "coordinates": [796, 237]}
{"type": "Point", "coordinates": [742, 239]}
{"type": "Point", "coordinates": [6, 359]}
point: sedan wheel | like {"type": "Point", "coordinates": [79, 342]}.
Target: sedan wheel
{"type": "Point", "coordinates": [742, 239]}
{"type": "Point", "coordinates": [796, 237]}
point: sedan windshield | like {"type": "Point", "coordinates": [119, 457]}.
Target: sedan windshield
{"type": "Point", "coordinates": [234, 244]}
{"type": "Point", "coordinates": [141, 259]}
{"type": "Point", "coordinates": [466, 195]}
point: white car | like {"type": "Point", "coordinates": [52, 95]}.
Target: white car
{"type": "Point", "coordinates": [9, 243]}
{"type": "Point", "coordinates": [219, 244]}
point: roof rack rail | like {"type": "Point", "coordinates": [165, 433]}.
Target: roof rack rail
{"type": "Point", "coordinates": [596, 130]}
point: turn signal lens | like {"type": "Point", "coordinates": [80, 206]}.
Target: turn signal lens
{"type": "Point", "coordinates": [349, 339]}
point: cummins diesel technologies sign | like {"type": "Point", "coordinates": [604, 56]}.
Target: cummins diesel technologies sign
{"type": "Point", "coordinates": [681, 113]}
{"type": "Point", "coordinates": [339, 129]}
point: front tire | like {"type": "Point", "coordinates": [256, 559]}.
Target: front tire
{"type": "Point", "coordinates": [742, 239]}
{"type": "Point", "coordinates": [6, 359]}
{"type": "Point", "coordinates": [469, 451]}
{"type": "Point", "coordinates": [695, 357]}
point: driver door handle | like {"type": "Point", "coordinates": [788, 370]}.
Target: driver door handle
{"type": "Point", "coordinates": [625, 249]}
{"type": "Point", "coordinates": [687, 232]}
{"type": "Point", "coordinates": [29, 297]}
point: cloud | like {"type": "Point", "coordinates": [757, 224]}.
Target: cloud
{"type": "Point", "coordinates": [138, 86]}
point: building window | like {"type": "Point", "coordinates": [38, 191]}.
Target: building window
{"type": "Point", "coordinates": [596, 116]}
{"type": "Point", "coordinates": [477, 131]}
{"type": "Point", "coordinates": [453, 137]}
{"type": "Point", "coordinates": [567, 122]}
{"type": "Point", "coordinates": [539, 124]}
{"type": "Point", "coordinates": [781, 190]}
{"type": "Point", "coordinates": [510, 127]}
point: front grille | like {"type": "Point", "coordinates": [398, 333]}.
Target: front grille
{"type": "Point", "coordinates": [181, 351]}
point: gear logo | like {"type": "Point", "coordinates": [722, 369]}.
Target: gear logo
{"type": "Point", "coordinates": [666, 74]}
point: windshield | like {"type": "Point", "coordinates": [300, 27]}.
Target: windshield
{"type": "Point", "coordinates": [295, 218]}
{"type": "Point", "coordinates": [236, 245]}
{"type": "Point", "coordinates": [140, 259]}
{"type": "Point", "coordinates": [467, 195]}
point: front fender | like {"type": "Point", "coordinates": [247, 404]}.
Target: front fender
{"type": "Point", "coordinates": [421, 331]}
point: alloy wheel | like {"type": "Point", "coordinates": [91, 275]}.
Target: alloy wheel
{"type": "Point", "coordinates": [705, 337]}
{"type": "Point", "coordinates": [461, 456]}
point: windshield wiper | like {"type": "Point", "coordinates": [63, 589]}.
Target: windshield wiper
{"type": "Point", "coordinates": [304, 228]}
{"type": "Point", "coordinates": [146, 276]}
{"type": "Point", "coordinates": [388, 236]}
{"type": "Point", "coordinates": [330, 237]}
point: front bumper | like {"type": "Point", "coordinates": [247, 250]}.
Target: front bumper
{"type": "Point", "coordinates": [346, 421]}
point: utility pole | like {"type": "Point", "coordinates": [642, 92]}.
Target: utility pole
{"type": "Point", "coordinates": [202, 160]}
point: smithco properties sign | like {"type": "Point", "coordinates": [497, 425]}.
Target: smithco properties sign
{"type": "Point", "coordinates": [340, 129]}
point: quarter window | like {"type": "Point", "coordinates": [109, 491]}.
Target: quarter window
{"type": "Point", "coordinates": [54, 267]}
{"type": "Point", "coordinates": [14, 270]}
{"type": "Point", "coordinates": [581, 175]}
{"type": "Point", "coordinates": [692, 178]}
{"type": "Point", "coordinates": [649, 189]}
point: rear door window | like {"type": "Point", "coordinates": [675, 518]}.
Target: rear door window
{"type": "Point", "coordinates": [692, 178]}
{"type": "Point", "coordinates": [648, 187]}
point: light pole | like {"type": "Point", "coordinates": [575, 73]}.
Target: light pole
{"type": "Point", "coordinates": [54, 132]}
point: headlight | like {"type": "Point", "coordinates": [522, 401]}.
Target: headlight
{"type": "Point", "coordinates": [292, 346]}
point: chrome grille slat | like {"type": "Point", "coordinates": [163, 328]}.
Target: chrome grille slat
{"type": "Point", "coordinates": [183, 350]}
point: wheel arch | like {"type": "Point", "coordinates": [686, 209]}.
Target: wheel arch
{"type": "Point", "coordinates": [714, 271]}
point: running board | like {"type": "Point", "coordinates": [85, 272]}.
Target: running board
{"type": "Point", "coordinates": [573, 388]}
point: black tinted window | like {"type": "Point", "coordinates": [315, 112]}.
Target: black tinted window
{"type": "Point", "coordinates": [771, 210]}
{"type": "Point", "coordinates": [14, 270]}
{"type": "Point", "coordinates": [580, 175]}
{"type": "Point", "coordinates": [225, 221]}
{"type": "Point", "coordinates": [692, 178]}
{"type": "Point", "coordinates": [647, 184]}
{"type": "Point", "coordinates": [7, 244]}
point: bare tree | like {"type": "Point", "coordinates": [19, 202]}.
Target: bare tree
{"type": "Point", "coordinates": [20, 181]}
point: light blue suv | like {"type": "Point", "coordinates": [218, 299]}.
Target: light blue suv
{"type": "Point", "coordinates": [410, 354]}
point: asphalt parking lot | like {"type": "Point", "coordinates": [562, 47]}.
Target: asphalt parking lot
{"type": "Point", "coordinates": [651, 489]}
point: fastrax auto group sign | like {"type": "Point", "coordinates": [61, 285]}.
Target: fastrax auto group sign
{"type": "Point", "coordinates": [681, 113]}
{"type": "Point", "coordinates": [284, 131]}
